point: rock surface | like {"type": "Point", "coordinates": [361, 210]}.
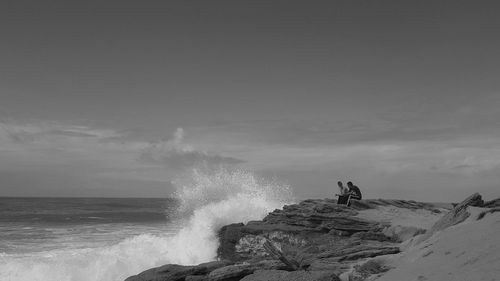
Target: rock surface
{"type": "Point", "coordinates": [308, 231]}
{"type": "Point", "coordinates": [238, 271]}
{"type": "Point", "coordinates": [174, 272]}
{"type": "Point", "coordinates": [492, 204]}
{"type": "Point", "coordinates": [280, 275]}
{"type": "Point", "coordinates": [324, 239]}
{"type": "Point", "coordinates": [457, 215]}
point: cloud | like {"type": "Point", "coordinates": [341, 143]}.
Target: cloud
{"type": "Point", "coordinates": [40, 132]}
{"type": "Point", "coordinates": [63, 144]}
{"type": "Point", "coordinates": [175, 154]}
{"type": "Point", "coordinates": [71, 133]}
{"type": "Point", "coordinates": [92, 156]}
{"type": "Point", "coordinates": [55, 159]}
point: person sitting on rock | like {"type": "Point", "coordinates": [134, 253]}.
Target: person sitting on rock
{"type": "Point", "coordinates": [344, 194]}
{"type": "Point", "coordinates": [343, 190]}
{"type": "Point", "coordinates": [354, 191]}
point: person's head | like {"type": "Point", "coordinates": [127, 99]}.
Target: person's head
{"type": "Point", "coordinates": [339, 183]}
{"type": "Point", "coordinates": [349, 184]}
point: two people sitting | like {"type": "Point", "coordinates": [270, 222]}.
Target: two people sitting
{"type": "Point", "coordinates": [348, 193]}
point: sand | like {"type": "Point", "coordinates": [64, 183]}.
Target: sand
{"type": "Point", "coordinates": [469, 251]}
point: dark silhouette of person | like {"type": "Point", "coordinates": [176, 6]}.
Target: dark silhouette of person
{"type": "Point", "coordinates": [354, 191]}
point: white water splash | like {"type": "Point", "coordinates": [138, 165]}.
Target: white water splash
{"type": "Point", "coordinates": [210, 199]}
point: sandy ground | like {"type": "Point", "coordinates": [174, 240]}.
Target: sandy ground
{"type": "Point", "coordinates": [469, 251]}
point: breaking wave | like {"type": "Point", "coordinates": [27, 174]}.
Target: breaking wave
{"type": "Point", "coordinates": [208, 200]}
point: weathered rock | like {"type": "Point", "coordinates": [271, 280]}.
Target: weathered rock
{"type": "Point", "coordinates": [229, 235]}
{"type": "Point", "coordinates": [406, 204]}
{"type": "Point", "coordinates": [170, 272]}
{"type": "Point", "coordinates": [251, 237]}
{"type": "Point", "coordinates": [492, 204]}
{"type": "Point", "coordinates": [359, 252]}
{"type": "Point", "coordinates": [375, 236]}
{"type": "Point", "coordinates": [299, 225]}
{"type": "Point", "coordinates": [490, 211]}
{"type": "Point", "coordinates": [455, 216]}
{"type": "Point", "coordinates": [174, 272]}
{"type": "Point", "coordinates": [349, 224]}
{"type": "Point", "coordinates": [339, 232]}
{"type": "Point", "coordinates": [370, 253]}
{"type": "Point", "coordinates": [329, 265]}
{"type": "Point", "coordinates": [278, 255]}
{"type": "Point", "coordinates": [320, 215]}
{"type": "Point", "coordinates": [318, 235]}
{"type": "Point", "coordinates": [369, 268]}
{"type": "Point", "coordinates": [238, 271]}
{"type": "Point", "coordinates": [280, 275]}
{"type": "Point", "coordinates": [196, 278]}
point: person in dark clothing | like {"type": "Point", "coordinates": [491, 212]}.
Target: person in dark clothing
{"type": "Point", "coordinates": [354, 190]}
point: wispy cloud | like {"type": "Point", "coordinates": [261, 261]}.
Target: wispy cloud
{"type": "Point", "coordinates": [99, 153]}
{"type": "Point", "coordinates": [175, 154]}
{"type": "Point", "coordinates": [106, 155]}
{"type": "Point", "coordinates": [39, 132]}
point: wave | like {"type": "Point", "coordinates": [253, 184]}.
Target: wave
{"type": "Point", "coordinates": [208, 199]}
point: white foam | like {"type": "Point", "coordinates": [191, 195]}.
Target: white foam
{"type": "Point", "coordinates": [209, 198]}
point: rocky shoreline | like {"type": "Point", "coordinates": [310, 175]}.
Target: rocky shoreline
{"type": "Point", "coordinates": [317, 240]}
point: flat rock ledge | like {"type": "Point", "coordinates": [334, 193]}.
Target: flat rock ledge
{"type": "Point", "coordinates": [323, 239]}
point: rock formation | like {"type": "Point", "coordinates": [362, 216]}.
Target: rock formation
{"type": "Point", "coordinates": [457, 215]}
{"type": "Point", "coordinates": [312, 240]}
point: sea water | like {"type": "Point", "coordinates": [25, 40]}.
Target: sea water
{"type": "Point", "coordinates": [97, 239]}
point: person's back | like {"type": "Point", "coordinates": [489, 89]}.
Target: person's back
{"type": "Point", "coordinates": [356, 193]}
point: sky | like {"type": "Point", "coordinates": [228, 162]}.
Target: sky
{"type": "Point", "coordinates": [117, 98]}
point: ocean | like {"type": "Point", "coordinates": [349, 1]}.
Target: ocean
{"type": "Point", "coordinates": [32, 225]}
{"type": "Point", "coordinates": [97, 239]}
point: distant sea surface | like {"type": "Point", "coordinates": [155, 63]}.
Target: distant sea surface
{"type": "Point", "coordinates": [109, 239]}
{"type": "Point", "coordinates": [29, 225]}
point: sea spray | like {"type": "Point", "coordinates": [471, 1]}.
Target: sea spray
{"type": "Point", "coordinates": [210, 198]}
{"type": "Point", "coordinates": [204, 186]}
{"type": "Point", "coordinates": [214, 198]}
